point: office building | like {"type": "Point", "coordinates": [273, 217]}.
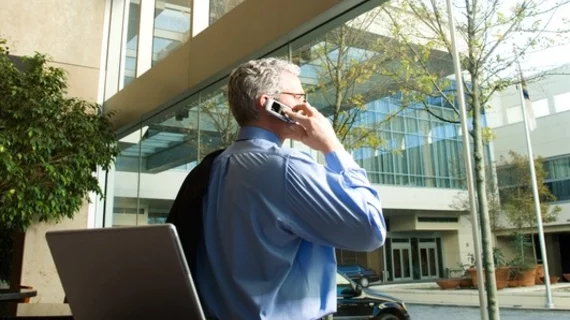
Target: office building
{"type": "Point", "coordinates": [550, 96]}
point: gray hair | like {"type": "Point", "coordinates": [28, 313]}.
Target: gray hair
{"type": "Point", "coordinates": [251, 80]}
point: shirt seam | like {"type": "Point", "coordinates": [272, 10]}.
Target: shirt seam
{"type": "Point", "coordinates": [286, 191]}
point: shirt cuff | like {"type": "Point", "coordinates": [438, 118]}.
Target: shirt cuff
{"type": "Point", "coordinates": [340, 160]}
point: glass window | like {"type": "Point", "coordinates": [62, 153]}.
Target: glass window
{"type": "Point", "coordinates": [124, 205]}
{"type": "Point", "coordinates": [218, 8]}
{"type": "Point", "coordinates": [130, 42]}
{"type": "Point", "coordinates": [218, 129]}
{"type": "Point", "coordinates": [152, 166]}
{"type": "Point", "coordinates": [558, 168]}
{"type": "Point", "coordinates": [562, 102]}
{"type": "Point", "coordinates": [560, 189]}
{"type": "Point", "coordinates": [388, 138]}
{"type": "Point", "coordinates": [171, 27]}
{"type": "Point", "coordinates": [558, 177]}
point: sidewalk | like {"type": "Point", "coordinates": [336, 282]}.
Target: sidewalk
{"type": "Point", "coordinates": [522, 298]}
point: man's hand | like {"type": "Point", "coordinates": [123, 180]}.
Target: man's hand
{"type": "Point", "coordinates": [320, 134]}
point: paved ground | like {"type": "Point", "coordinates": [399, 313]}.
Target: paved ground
{"type": "Point", "coordinates": [425, 312]}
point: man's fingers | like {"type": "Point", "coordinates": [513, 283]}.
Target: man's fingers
{"type": "Point", "coordinates": [297, 116]}
{"type": "Point", "coordinates": [305, 109]}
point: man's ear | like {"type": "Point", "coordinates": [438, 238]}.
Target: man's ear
{"type": "Point", "coordinates": [262, 100]}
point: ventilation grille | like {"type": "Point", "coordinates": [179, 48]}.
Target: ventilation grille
{"type": "Point", "coordinates": [438, 219]}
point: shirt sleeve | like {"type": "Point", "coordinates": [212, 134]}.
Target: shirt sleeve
{"type": "Point", "coordinates": [333, 205]}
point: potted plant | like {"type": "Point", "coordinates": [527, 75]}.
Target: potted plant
{"type": "Point", "coordinates": [523, 268]}
{"type": "Point", "coordinates": [539, 274]}
{"type": "Point", "coordinates": [464, 277]}
{"type": "Point", "coordinates": [466, 281]}
{"type": "Point", "coordinates": [448, 284]}
{"type": "Point", "coordinates": [50, 146]}
{"type": "Point", "coordinates": [553, 279]}
{"type": "Point", "coordinates": [501, 270]}
{"type": "Point", "coordinates": [456, 278]}
{"type": "Point", "coordinates": [518, 204]}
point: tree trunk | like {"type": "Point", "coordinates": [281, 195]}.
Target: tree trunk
{"type": "Point", "coordinates": [480, 181]}
{"type": "Point", "coordinates": [17, 260]}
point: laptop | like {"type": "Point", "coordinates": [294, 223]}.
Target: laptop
{"type": "Point", "coordinates": [125, 273]}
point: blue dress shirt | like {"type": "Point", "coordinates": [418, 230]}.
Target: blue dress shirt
{"type": "Point", "coordinates": [272, 218]}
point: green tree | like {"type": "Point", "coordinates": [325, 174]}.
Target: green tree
{"type": "Point", "coordinates": [517, 201]}
{"type": "Point", "coordinates": [347, 61]}
{"type": "Point", "coordinates": [50, 146]}
{"type": "Point", "coordinates": [492, 35]}
{"type": "Point", "coordinates": [461, 203]}
{"type": "Point", "coordinates": [218, 128]}
{"type": "Point", "coordinates": [221, 127]}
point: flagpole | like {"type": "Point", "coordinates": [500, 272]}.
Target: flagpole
{"type": "Point", "coordinates": [468, 166]}
{"type": "Point", "coordinates": [549, 303]}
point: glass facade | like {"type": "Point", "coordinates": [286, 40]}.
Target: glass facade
{"type": "Point", "coordinates": [417, 150]}
{"type": "Point", "coordinates": [396, 141]}
{"type": "Point", "coordinates": [172, 20]}
{"type": "Point", "coordinates": [396, 145]}
{"type": "Point", "coordinates": [145, 32]}
{"type": "Point", "coordinates": [156, 158]}
{"type": "Point", "coordinates": [142, 33]}
{"type": "Point", "coordinates": [558, 176]}
{"type": "Point", "coordinates": [130, 42]}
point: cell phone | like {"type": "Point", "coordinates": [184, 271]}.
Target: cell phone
{"type": "Point", "coordinates": [276, 109]}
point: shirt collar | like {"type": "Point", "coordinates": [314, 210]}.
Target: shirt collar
{"type": "Point", "coordinates": [250, 132]}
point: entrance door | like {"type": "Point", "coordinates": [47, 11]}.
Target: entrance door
{"type": "Point", "coordinates": [564, 243]}
{"type": "Point", "coordinates": [401, 259]}
{"type": "Point", "coordinates": [429, 268]}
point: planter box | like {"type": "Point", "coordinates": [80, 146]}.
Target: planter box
{"type": "Point", "coordinates": [539, 274]}
{"type": "Point", "coordinates": [553, 279]}
{"type": "Point", "coordinates": [501, 277]}
{"type": "Point", "coordinates": [466, 283]}
{"type": "Point", "coordinates": [448, 284]}
{"type": "Point", "coordinates": [527, 278]}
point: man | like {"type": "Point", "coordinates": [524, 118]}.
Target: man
{"type": "Point", "coordinates": [272, 215]}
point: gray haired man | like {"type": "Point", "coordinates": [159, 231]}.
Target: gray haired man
{"type": "Point", "coordinates": [273, 215]}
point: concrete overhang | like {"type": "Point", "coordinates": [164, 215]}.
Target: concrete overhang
{"type": "Point", "coordinates": [205, 59]}
{"type": "Point", "coordinates": [250, 30]}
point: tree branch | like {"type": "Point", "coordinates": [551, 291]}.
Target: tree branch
{"type": "Point", "coordinates": [440, 118]}
{"type": "Point", "coordinates": [516, 21]}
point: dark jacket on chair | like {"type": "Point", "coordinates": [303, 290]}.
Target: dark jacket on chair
{"type": "Point", "coordinates": [186, 211]}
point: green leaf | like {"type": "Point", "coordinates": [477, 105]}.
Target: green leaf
{"type": "Point", "coordinates": [48, 144]}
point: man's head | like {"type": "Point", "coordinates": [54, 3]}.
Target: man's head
{"type": "Point", "coordinates": [253, 82]}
